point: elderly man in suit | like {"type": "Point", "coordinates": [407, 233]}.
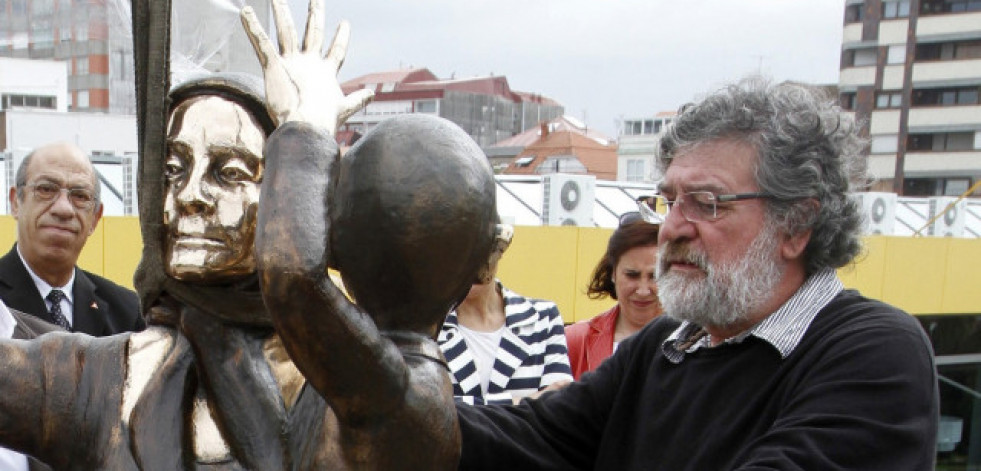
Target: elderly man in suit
{"type": "Point", "coordinates": [56, 203]}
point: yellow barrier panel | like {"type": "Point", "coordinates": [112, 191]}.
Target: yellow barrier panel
{"type": "Point", "coordinates": [922, 275]}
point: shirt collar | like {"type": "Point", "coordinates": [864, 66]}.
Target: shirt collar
{"type": "Point", "coordinates": [783, 329]}
{"type": "Point", "coordinates": [43, 287]}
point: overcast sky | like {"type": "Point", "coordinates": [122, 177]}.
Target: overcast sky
{"type": "Point", "coordinates": [602, 59]}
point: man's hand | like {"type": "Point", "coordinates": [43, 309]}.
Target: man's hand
{"type": "Point", "coordinates": [301, 84]}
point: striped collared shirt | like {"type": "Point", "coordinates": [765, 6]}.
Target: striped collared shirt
{"type": "Point", "coordinates": [783, 329]}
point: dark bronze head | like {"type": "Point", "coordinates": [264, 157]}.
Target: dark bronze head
{"type": "Point", "coordinates": [413, 220]}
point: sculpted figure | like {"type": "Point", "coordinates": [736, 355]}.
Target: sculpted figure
{"type": "Point", "coordinates": [208, 385]}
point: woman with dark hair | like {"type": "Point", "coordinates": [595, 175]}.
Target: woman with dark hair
{"type": "Point", "coordinates": [626, 274]}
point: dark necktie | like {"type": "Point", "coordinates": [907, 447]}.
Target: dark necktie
{"type": "Point", "coordinates": [55, 296]}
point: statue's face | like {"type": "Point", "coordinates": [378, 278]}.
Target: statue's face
{"type": "Point", "coordinates": [213, 172]}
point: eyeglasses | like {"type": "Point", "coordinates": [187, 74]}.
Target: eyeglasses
{"type": "Point", "coordinates": [644, 213]}
{"type": "Point", "coordinates": [81, 198]}
{"type": "Point", "coordinates": [702, 206]}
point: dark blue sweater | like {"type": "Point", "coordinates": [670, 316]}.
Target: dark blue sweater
{"type": "Point", "coordinates": [859, 392]}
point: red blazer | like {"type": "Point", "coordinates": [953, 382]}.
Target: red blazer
{"type": "Point", "coordinates": [591, 342]}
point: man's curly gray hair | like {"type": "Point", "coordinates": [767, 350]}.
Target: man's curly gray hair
{"type": "Point", "coordinates": [808, 152]}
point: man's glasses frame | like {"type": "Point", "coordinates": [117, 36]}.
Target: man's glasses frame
{"type": "Point", "coordinates": [701, 206]}
{"type": "Point", "coordinates": [80, 198]}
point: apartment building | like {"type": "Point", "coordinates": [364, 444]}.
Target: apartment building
{"type": "Point", "coordinates": [635, 154]}
{"type": "Point", "coordinates": [911, 72]}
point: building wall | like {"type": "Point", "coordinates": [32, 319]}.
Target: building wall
{"type": "Point", "coordinates": [35, 78]}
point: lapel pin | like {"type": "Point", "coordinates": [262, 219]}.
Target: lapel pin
{"type": "Point", "coordinates": [94, 305]}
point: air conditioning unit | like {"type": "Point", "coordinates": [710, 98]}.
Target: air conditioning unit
{"type": "Point", "coordinates": [951, 223]}
{"type": "Point", "coordinates": [567, 200]}
{"type": "Point", "coordinates": [879, 211]}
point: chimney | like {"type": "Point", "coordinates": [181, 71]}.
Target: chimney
{"type": "Point", "coordinates": [544, 125]}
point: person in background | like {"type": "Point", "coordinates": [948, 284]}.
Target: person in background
{"type": "Point", "coordinates": [626, 274]}
{"type": "Point", "coordinates": [762, 359]}
{"type": "Point", "coordinates": [501, 346]}
{"type": "Point", "coordinates": [56, 201]}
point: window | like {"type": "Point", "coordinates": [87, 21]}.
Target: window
{"type": "Point", "coordinates": [861, 57]}
{"type": "Point", "coordinates": [928, 7]}
{"type": "Point", "coordinates": [889, 99]}
{"type": "Point", "coordinates": [957, 50]}
{"type": "Point", "coordinates": [897, 54]}
{"type": "Point", "coordinates": [941, 142]}
{"type": "Point", "coordinates": [82, 65]}
{"type": "Point", "coordinates": [854, 13]}
{"type": "Point", "coordinates": [946, 96]}
{"type": "Point", "coordinates": [426, 106]}
{"type": "Point", "coordinates": [524, 161]}
{"type": "Point", "coordinates": [635, 170]}
{"type": "Point", "coordinates": [847, 101]}
{"type": "Point", "coordinates": [633, 128]}
{"type": "Point", "coordinates": [82, 99]}
{"type": "Point", "coordinates": [898, 9]}
{"type": "Point", "coordinates": [27, 101]}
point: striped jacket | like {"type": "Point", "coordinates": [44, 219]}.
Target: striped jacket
{"type": "Point", "coordinates": [532, 353]}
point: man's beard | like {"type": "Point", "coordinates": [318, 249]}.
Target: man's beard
{"type": "Point", "coordinates": [729, 293]}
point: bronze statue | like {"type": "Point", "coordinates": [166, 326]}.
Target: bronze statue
{"type": "Point", "coordinates": [406, 216]}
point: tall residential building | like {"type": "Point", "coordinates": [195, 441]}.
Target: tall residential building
{"type": "Point", "coordinates": [911, 72]}
{"type": "Point", "coordinates": [485, 107]}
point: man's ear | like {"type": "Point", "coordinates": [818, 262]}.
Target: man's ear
{"type": "Point", "coordinates": [792, 245]}
{"type": "Point", "coordinates": [14, 204]}
{"type": "Point", "coordinates": [96, 218]}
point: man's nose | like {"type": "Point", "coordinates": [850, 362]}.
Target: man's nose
{"type": "Point", "coordinates": [62, 204]}
{"type": "Point", "coordinates": [676, 226]}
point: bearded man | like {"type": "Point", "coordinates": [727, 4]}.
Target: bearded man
{"type": "Point", "coordinates": [763, 360]}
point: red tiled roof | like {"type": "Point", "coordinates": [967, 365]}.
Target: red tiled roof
{"type": "Point", "coordinates": [397, 77]}
{"type": "Point", "coordinates": [562, 123]}
{"type": "Point", "coordinates": [599, 159]}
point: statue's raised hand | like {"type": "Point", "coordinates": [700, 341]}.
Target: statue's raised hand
{"type": "Point", "coordinates": [301, 83]}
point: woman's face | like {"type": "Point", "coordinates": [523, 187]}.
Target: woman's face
{"type": "Point", "coordinates": [636, 291]}
{"type": "Point", "coordinates": [213, 172]}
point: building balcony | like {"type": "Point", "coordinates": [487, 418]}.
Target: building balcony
{"type": "Point", "coordinates": [854, 77]}
{"type": "Point", "coordinates": [947, 73]}
{"type": "Point", "coordinates": [852, 33]}
{"type": "Point", "coordinates": [927, 164]}
{"type": "Point", "coordinates": [945, 118]}
{"type": "Point", "coordinates": [949, 26]}
{"type": "Point", "coordinates": [943, 164]}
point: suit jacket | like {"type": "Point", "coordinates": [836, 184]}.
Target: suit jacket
{"type": "Point", "coordinates": [591, 342]}
{"type": "Point", "coordinates": [101, 307]}
{"type": "Point", "coordinates": [29, 327]}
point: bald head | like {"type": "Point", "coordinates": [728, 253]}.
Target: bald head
{"type": "Point", "coordinates": [59, 150]}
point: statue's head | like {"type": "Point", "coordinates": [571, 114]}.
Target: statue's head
{"type": "Point", "coordinates": [412, 220]}
{"type": "Point", "coordinates": [216, 131]}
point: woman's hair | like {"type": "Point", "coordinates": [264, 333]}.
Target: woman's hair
{"type": "Point", "coordinates": [628, 236]}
